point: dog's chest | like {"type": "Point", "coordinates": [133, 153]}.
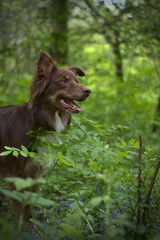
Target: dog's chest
{"type": "Point", "coordinates": [58, 124]}
{"type": "Point", "coordinates": [51, 138]}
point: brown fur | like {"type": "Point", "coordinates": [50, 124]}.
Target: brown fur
{"type": "Point", "coordinates": [49, 85]}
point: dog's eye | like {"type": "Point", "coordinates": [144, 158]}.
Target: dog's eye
{"type": "Point", "coordinates": [63, 80]}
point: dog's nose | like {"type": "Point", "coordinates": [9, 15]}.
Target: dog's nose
{"type": "Point", "coordinates": [86, 90]}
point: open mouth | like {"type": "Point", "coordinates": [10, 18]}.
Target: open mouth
{"type": "Point", "coordinates": [69, 105]}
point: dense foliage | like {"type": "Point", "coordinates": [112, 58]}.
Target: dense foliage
{"type": "Point", "coordinates": [103, 183]}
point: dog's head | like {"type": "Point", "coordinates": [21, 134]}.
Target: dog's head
{"type": "Point", "coordinates": [58, 87]}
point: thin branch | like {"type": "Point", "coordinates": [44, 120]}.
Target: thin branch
{"type": "Point", "coordinates": [139, 161]}
{"type": "Point", "coordinates": [96, 13]}
{"type": "Point", "coordinates": [147, 201]}
{"type": "Point", "coordinates": [152, 183]}
{"type": "Point", "coordinates": [139, 180]}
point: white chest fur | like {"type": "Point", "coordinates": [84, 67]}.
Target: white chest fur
{"type": "Point", "coordinates": [51, 137]}
{"type": "Point", "coordinates": [58, 124]}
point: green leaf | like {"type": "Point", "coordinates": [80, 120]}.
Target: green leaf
{"type": "Point", "coordinates": [24, 149]}
{"type": "Point", "coordinates": [76, 218]}
{"type": "Point", "coordinates": [21, 183]}
{"type": "Point", "coordinates": [30, 132]}
{"type": "Point", "coordinates": [23, 154]}
{"type": "Point", "coordinates": [94, 202]}
{"type": "Point", "coordinates": [74, 206]}
{"type": "Point", "coordinates": [118, 145]}
{"type": "Point", "coordinates": [11, 148]}
{"type": "Point", "coordinates": [50, 149]}
{"type": "Point", "coordinates": [60, 155]}
{"type": "Point", "coordinates": [70, 230]}
{"type": "Point", "coordinates": [136, 145]}
{"type": "Point", "coordinates": [124, 143]}
{"type": "Point", "coordinates": [5, 153]}
{"type": "Point", "coordinates": [43, 201]}
{"type": "Point", "coordinates": [15, 153]}
{"type": "Point", "coordinates": [132, 141]}
{"type": "Point", "coordinates": [35, 222]}
{"type": "Point", "coordinates": [8, 148]}
{"type": "Point", "coordinates": [12, 194]}
{"type": "Point", "coordinates": [93, 164]}
{"type": "Point", "coordinates": [66, 162]}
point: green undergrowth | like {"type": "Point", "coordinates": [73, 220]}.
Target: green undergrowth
{"type": "Point", "coordinates": [90, 190]}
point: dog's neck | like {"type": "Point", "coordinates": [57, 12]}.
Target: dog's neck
{"type": "Point", "coordinates": [51, 119]}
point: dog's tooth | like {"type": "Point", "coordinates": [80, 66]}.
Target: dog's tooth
{"type": "Point", "coordinates": [62, 101]}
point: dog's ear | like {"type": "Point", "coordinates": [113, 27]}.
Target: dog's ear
{"type": "Point", "coordinates": [77, 71]}
{"type": "Point", "coordinates": [45, 66]}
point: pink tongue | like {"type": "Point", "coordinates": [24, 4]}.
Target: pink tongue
{"type": "Point", "coordinates": [72, 104]}
{"type": "Point", "coordinates": [79, 108]}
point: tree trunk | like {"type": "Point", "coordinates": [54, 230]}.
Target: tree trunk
{"type": "Point", "coordinates": [157, 116]}
{"type": "Point", "coordinates": [59, 16]}
{"type": "Point", "coordinates": [118, 59]}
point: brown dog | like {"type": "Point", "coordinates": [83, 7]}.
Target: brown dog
{"type": "Point", "coordinates": [50, 106]}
